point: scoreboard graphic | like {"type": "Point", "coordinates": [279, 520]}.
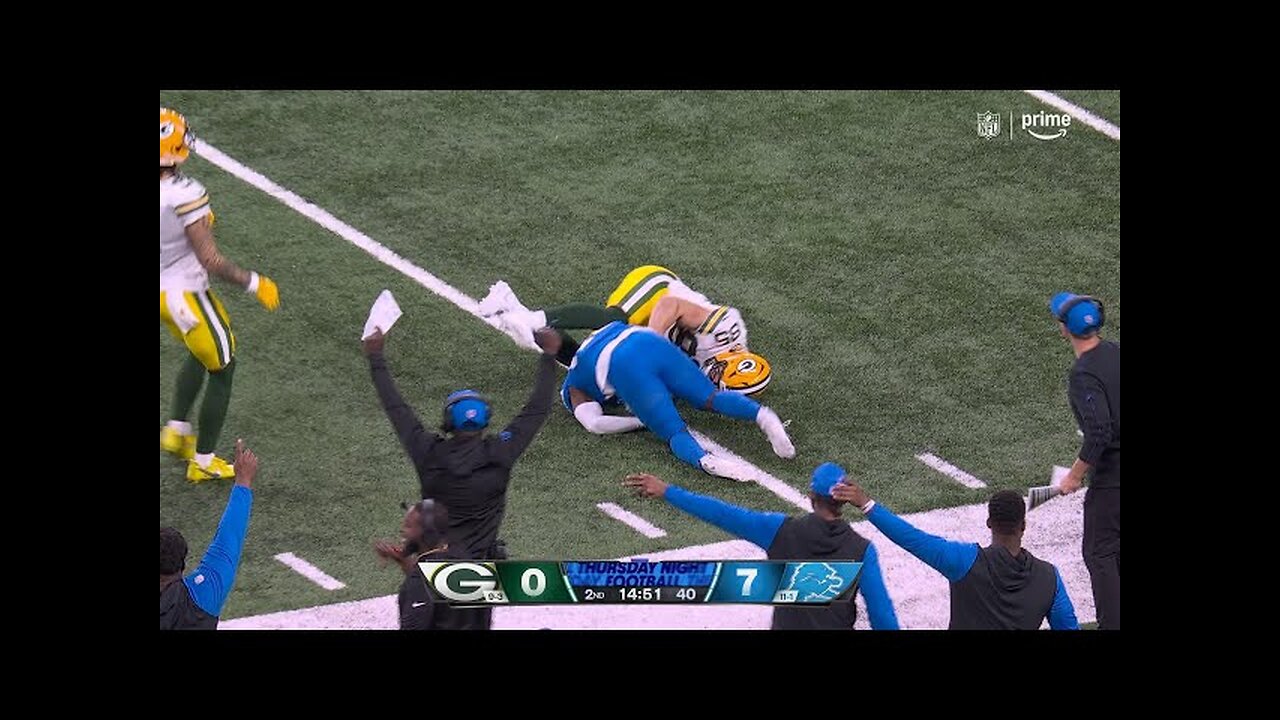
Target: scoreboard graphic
{"type": "Point", "coordinates": [802, 582]}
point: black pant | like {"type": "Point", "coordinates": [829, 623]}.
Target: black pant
{"type": "Point", "coordinates": [1102, 553]}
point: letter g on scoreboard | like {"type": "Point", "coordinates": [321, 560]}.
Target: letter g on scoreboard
{"type": "Point", "coordinates": [462, 582]}
{"type": "Point", "coordinates": [497, 583]}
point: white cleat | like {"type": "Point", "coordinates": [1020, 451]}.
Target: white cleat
{"type": "Point", "coordinates": [776, 432]}
{"type": "Point", "coordinates": [501, 298]}
{"type": "Point", "coordinates": [726, 468]}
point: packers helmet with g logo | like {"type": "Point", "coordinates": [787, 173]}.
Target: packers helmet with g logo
{"type": "Point", "coordinates": [738, 371]}
{"type": "Point", "coordinates": [176, 139]}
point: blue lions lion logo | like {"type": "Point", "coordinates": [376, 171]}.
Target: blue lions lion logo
{"type": "Point", "coordinates": [816, 582]}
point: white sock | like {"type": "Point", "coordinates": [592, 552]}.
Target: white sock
{"type": "Point", "coordinates": [182, 426]}
{"type": "Point", "coordinates": [203, 460]}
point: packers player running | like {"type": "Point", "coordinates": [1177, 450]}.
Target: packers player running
{"type": "Point", "coordinates": [191, 311]}
{"type": "Point", "coordinates": [715, 336]}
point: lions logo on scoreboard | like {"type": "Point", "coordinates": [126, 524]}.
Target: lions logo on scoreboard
{"type": "Point", "coordinates": [815, 582]}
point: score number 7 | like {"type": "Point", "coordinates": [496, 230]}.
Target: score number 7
{"type": "Point", "coordinates": [750, 575]}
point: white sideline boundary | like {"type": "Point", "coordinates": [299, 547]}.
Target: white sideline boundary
{"type": "Point", "coordinates": [1097, 123]}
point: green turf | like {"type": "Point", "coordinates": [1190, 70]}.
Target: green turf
{"type": "Point", "coordinates": [892, 266]}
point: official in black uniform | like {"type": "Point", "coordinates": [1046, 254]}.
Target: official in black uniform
{"type": "Point", "coordinates": [1094, 390]}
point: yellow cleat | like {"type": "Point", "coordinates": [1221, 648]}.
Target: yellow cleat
{"type": "Point", "coordinates": [175, 443]}
{"type": "Point", "coordinates": [218, 469]}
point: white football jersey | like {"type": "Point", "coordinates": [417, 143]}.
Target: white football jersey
{"type": "Point", "coordinates": [723, 330]}
{"type": "Point", "coordinates": [183, 201]}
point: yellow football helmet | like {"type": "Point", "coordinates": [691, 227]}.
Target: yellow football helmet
{"type": "Point", "coordinates": [739, 371]}
{"type": "Point", "coordinates": [176, 139]}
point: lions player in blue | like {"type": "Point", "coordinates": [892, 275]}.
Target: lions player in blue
{"type": "Point", "coordinates": [641, 368]}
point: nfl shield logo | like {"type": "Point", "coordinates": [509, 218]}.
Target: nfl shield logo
{"type": "Point", "coordinates": [988, 125]}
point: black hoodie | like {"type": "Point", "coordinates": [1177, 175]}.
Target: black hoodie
{"type": "Point", "coordinates": [178, 611]}
{"type": "Point", "coordinates": [468, 473]}
{"type": "Point", "coordinates": [812, 538]}
{"type": "Point", "coordinates": [1003, 592]}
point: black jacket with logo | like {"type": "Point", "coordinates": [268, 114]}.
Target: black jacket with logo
{"type": "Point", "coordinates": [469, 474]}
{"type": "Point", "coordinates": [811, 538]}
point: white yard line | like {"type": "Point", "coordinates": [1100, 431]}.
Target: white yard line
{"type": "Point", "coordinates": [951, 471]}
{"type": "Point", "coordinates": [1077, 112]}
{"type": "Point", "coordinates": [632, 520]}
{"type": "Point", "coordinates": [309, 571]}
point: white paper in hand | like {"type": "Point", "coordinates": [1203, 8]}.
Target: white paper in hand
{"type": "Point", "coordinates": [1059, 472]}
{"type": "Point", "coordinates": [1038, 496]}
{"type": "Point", "coordinates": [382, 316]}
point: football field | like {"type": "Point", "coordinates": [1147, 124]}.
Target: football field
{"type": "Point", "coordinates": [892, 265]}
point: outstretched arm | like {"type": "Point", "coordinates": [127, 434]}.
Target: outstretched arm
{"type": "Point", "coordinates": [214, 577]}
{"type": "Point", "coordinates": [952, 559]}
{"type": "Point", "coordinates": [755, 527]}
{"type": "Point", "coordinates": [520, 432]}
{"type": "Point", "coordinates": [582, 317]}
{"type": "Point", "coordinates": [416, 440]}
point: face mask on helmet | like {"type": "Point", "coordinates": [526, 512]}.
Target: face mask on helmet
{"type": "Point", "coordinates": [176, 139]}
{"type": "Point", "coordinates": [739, 371]}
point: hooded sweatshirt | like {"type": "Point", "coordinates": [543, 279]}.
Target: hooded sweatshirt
{"type": "Point", "coordinates": [990, 589]}
{"type": "Point", "coordinates": [804, 537]}
{"type": "Point", "coordinates": [810, 537]}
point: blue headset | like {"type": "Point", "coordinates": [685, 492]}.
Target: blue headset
{"type": "Point", "coordinates": [1075, 300]}
{"type": "Point", "coordinates": [452, 421]}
